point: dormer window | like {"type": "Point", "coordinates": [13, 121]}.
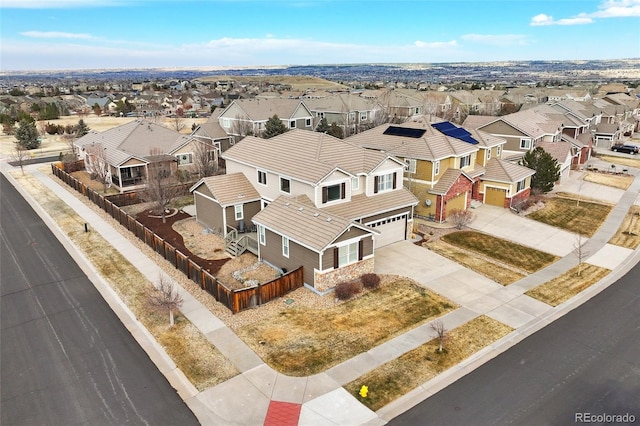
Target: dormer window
{"type": "Point", "coordinates": [333, 193]}
{"type": "Point", "coordinates": [384, 182]}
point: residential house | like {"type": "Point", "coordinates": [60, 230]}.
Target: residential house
{"type": "Point", "coordinates": [449, 166]}
{"type": "Point", "coordinates": [326, 203]}
{"type": "Point", "coordinates": [351, 112]}
{"type": "Point", "coordinates": [213, 134]}
{"type": "Point", "coordinates": [563, 153]}
{"type": "Point", "coordinates": [128, 150]}
{"type": "Point", "coordinates": [249, 116]}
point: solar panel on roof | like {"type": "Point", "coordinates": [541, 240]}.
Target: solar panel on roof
{"type": "Point", "coordinates": [404, 131]}
{"type": "Point", "coordinates": [454, 131]}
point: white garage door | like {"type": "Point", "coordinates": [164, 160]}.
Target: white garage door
{"type": "Point", "coordinates": [391, 230]}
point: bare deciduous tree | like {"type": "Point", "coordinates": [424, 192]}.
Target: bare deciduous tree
{"type": "Point", "coordinates": [460, 218]}
{"type": "Point", "coordinates": [178, 120]}
{"type": "Point", "coordinates": [19, 155]}
{"type": "Point", "coordinates": [160, 183]}
{"type": "Point", "coordinates": [165, 296]}
{"type": "Point", "coordinates": [98, 166]}
{"type": "Point", "coordinates": [241, 126]}
{"type": "Point", "coordinates": [441, 332]}
{"type": "Point", "coordinates": [204, 158]}
{"type": "Point", "coordinates": [580, 252]}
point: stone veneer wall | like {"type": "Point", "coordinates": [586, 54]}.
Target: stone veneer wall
{"type": "Point", "coordinates": [324, 281]}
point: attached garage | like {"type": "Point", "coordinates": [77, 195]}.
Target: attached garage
{"type": "Point", "coordinates": [495, 196]}
{"type": "Point", "coordinates": [391, 230]}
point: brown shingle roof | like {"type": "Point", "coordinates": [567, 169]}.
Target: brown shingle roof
{"type": "Point", "coordinates": [229, 189]}
{"type": "Point", "coordinates": [304, 155]}
{"type": "Point", "coordinates": [362, 206]}
{"type": "Point", "coordinates": [499, 170]}
{"type": "Point", "coordinates": [303, 223]}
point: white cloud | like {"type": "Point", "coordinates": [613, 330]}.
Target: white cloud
{"type": "Point", "coordinates": [56, 34]}
{"type": "Point", "coordinates": [496, 39]}
{"type": "Point", "coordinates": [435, 44]}
{"type": "Point", "coordinates": [607, 9]}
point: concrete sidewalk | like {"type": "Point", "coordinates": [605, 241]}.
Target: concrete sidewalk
{"type": "Point", "coordinates": [245, 399]}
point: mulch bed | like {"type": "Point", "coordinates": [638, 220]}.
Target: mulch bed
{"type": "Point", "coordinates": [166, 232]}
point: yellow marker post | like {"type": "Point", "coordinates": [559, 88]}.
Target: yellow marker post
{"type": "Point", "coordinates": [364, 390]}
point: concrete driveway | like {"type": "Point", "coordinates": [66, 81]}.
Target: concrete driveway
{"type": "Point", "coordinates": [433, 271]}
{"type": "Point", "coordinates": [503, 223]}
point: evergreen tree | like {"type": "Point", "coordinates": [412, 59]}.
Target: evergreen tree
{"type": "Point", "coordinates": [81, 129]}
{"type": "Point", "coordinates": [27, 135]}
{"type": "Point", "coordinates": [274, 127]}
{"type": "Point", "coordinates": [323, 126]}
{"type": "Point", "coordinates": [546, 167]}
{"type": "Point", "coordinates": [336, 131]}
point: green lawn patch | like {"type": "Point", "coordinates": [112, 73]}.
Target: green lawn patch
{"type": "Point", "coordinates": [522, 257]}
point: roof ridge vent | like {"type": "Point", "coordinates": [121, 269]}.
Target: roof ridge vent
{"type": "Point", "coordinates": [328, 219]}
{"type": "Point", "coordinates": [287, 204]}
{"type": "Point", "coordinates": [316, 214]}
{"type": "Point", "coordinates": [300, 209]}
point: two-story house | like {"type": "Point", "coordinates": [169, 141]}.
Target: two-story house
{"type": "Point", "coordinates": [352, 113]}
{"type": "Point", "coordinates": [248, 117]}
{"type": "Point", "coordinates": [449, 166]}
{"type": "Point", "coordinates": [327, 204]}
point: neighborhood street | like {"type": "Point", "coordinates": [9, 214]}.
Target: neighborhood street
{"type": "Point", "coordinates": [584, 362]}
{"type": "Point", "coordinates": [66, 357]}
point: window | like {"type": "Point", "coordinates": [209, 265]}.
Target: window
{"type": "Point", "coordinates": [347, 254]}
{"type": "Point", "coordinates": [355, 184]}
{"type": "Point", "coordinates": [352, 116]}
{"type": "Point", "coordinates": [489, 154]}
{"type": "Point", "coordinates": [411, 165]}
{"type": "Point", "coordinates": [320, 114]}
{"type": "Point", "coordinates": [262, 177]}
{"type": "Point", "coordinates": [333, 192]}
{"type": "Point", "coordinates": [436, 167]}
{"type": "Point", "coordinates": [363, 116]}
{"type": "Point", "coordinates": [418, 110]}
{"type": "Point", "coordinates": [308, 122]}
{"type": "Point", "coordinates": [384, 182]}
{"type": "Point", "coordinates": [285, 185]}
{"type": "Point", "coordinates": [499, 151]}
{"type": "Point", "coordinates": [285, 246]}
{"type": "Point", "coordinates": [185, 159]}
{"type": "Point", "coordinates": [465, 161]}
{"type": "Point", "coordinates": [520, 185]}
{"type": "Point", "coordinates": [238, 211]}
{"type": "Point", "coordinates": [292, 124]}
{"type": "Point", "coordinates": [525, 143]}
{"type": "Point", "coordinates": [262, 237]}
{"type": "Point", "coordinates": [226, 123]}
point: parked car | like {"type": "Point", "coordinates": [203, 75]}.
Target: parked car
{"type": "Point", "coordinates": [628, 149]}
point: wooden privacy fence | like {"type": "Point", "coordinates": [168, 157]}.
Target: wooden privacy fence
{"type": "Point", "coordinates": [234, 299]}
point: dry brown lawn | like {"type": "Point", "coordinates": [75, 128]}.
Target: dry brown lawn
{"type": "Point", "coordinates": [395, 378]}
{"type": "Point", "coordinates": [201, 362]}
{"type": "Point", "coordinates": [484, 265]}
{"type": "Point", "coordinates": [583, 217]}
{"type": "Point", "coordinates": [85, 179]}
{"type": "Point", "coordinates": [302, 341]}
{"type": "Point", "coordinates": [628, 234]}
{"type": "Point", "coordinates": [517, 255]}
{"type": "Point", "coordinates": [616, 181]}
{"type": "Point", "coordinates": [623, 161]}
{"type": "Point", "coordinates": [567, 285]}
{"type": "Point", "coordinates": [296, 82]}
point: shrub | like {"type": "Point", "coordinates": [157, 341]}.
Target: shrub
{"type": "Point", "coordinates": [370, 281]}
{"type": "Point", "coordinates": [460, 218]}
{"type": "Point", "coordinates": [347, 289]}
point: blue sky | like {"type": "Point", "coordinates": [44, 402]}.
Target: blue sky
{"type": "Point", "coordinates": [87, 34]}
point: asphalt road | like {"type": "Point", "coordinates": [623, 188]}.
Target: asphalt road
{"type": "Point", "coordinates": [65, 356]}
{"type": "Point", "coordinates": [585, 362]}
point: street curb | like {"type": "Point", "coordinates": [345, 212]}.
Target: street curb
{"type": "Point", "coordinates": [147, 342]}
{"type": "Point", "coordinates": [486, 354]}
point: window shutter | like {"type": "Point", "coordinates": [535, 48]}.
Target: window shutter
{"type": "Point", "coordinates": [325, 194]}
{"type": "Point", "coordinates": [343, 191]}
{"type": "Point", "coordinates": [375, 184]}
{"type": "Point", "coordinates": [360, 249]}
{"type": "Point", "coordinates": [395, 174]}
{"type": "Point", "coordinates": [335, 258]}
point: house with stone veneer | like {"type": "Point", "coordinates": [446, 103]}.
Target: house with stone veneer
{"type": "Point", "coordinates": [325, 182]}
{"type": "Point", "coordinates": [448, 166]}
